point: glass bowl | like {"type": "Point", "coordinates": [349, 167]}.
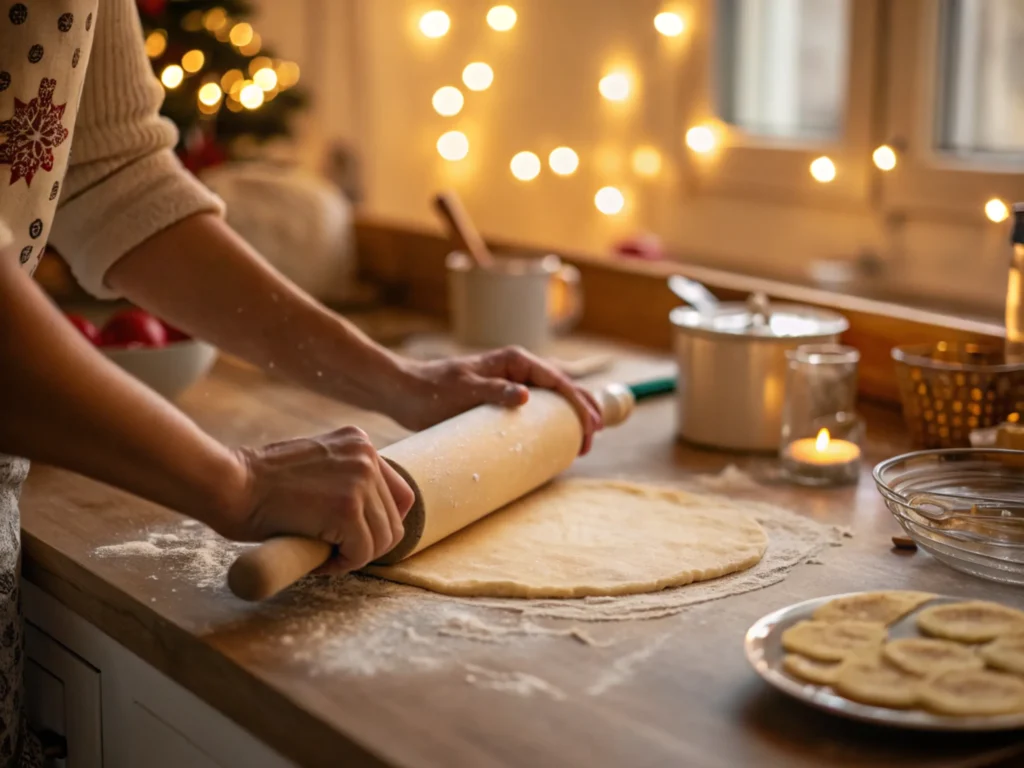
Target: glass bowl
{"type": "Point", "coordinates": [963, 506]}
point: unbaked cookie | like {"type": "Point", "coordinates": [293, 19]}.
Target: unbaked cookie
{"type": "Point", "coordinates": [927, 656]}
{"type": "Point", "coordinates": [832, 640]}
{"type": "Point", "coordinates": [877, 683]}
{"type": "Point", "coordinates": [811, 670]}
{"type": "Point", "coordinates": [1006, 652]}
{"type": "Point", "coordinates": [973, 692]}
{"type": "Point", "coordinates": [884, 607]}
{"type": "Point", "coordinates": [972, 621]}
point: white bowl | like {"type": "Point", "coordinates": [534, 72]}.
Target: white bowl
{"type": "Point", "coordinates": [168, 370]}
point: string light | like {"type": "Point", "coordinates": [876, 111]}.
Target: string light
{"type": "Point", "coordinates": [234, 106]}
{"type": "Point", "coordinates": [996, 210]}
{"type": "Point", "coordinates": [525, 166]}
{"type": "Point", "coordinates": [215, 19]}
{"type": "Point", "coordinates": [287, 74]}
{"type": "Point", "coordinates": [884, 158]}
{"type": "Point", "coordinates": [251, 96]}
{"type": "Point", "coordinates": [210, 94]}
{"type": "Point", "coordinates": [192, 21]}
{"type": "Point", "coordinates": [435, 24]}
{"type": "Point", "coordinates": [253, 46]}
{"type": "Point", "coordinates": [265, 78]}
{"type": "Point", "coordinates": [448, 101]}
{"type": "Point", "coordinates": [614, 87]}
{"type": "Point", "coordinates": [669, 24]}
{"type": "Point", "coordinates": [236, 88]}
{"type": "Point", "coordinates": [193, 61]}
{"type": "Point", "coordinates": [156, 43]}
{"type": "Point", "coordinates": [478, 76]}
{"type": "Point", "coordinates": [172, 76]}
{"type": "Point", "coordinates": [231, 77]}
{"type": "Point", "coordinates": [609, 201]}
{"type": "Point", "coordinates": [241, 34]}
{"type": "Point", "coordinates": [700, 139]}
{"type": "Point", "coordinates": [563, 161]}
{"type": "Point", "coordinates": [823, 170]}
{"type": "Point", "coordinates": [259, 63]}
{"type": "Point", "coordinates": [501, 18]}
{"type": "Point", "coordinates": [453, 146]}
{"type": "Point", "coordinates": [646, 162]}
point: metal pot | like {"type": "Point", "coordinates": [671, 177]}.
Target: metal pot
{"type": "Point", "coordinates": [732, 368]}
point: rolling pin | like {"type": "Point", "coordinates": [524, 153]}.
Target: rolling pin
{"type": "Point", "coordinates": [460, 470]}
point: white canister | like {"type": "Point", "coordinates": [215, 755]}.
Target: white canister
{"type": "Point", "coordinates": [520, 301]}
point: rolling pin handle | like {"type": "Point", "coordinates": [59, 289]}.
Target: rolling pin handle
{"type": "Point", "coordinates": [276, 564]}
{"type": "Point", "coordinates": [617, 403]}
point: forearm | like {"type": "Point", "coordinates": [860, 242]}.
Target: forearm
{"type": "Point", "coordinates": [62, 403]}
{"type": "Point", "coordinates": [203, 278]}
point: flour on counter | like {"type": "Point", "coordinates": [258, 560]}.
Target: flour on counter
{"type": "Point", "coordinates": [517, 683]}
{"type": "Point", "coordinates": [732, 478]}
{"type": "Point", "coordinates": [622, 668]}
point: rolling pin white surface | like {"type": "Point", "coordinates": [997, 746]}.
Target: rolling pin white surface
{"type": "Point", "coordinates": [461, 470]}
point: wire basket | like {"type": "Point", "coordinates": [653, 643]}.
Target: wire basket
{"type": "Point", "coordinates": [950, 389]}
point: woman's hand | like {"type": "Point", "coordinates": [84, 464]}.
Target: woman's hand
{"type": "Point", "coordinates": [335, 488]}
{"type": "Point", "coordinates": [441, 389]}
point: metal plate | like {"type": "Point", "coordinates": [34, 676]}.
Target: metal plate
{"type": "Point", "coordinates": [764, 651]}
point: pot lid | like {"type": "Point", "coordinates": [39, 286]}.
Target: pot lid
{"type": "Point", "coordinates": [756, 318]}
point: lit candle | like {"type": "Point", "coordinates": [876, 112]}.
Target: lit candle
{"type": "Point", "coordinates": [822, 460]}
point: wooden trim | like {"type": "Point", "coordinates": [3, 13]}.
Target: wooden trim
{"type": "Point", "coordinates": [629, 301]}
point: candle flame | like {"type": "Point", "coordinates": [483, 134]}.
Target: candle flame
{"type": "Point", "coordinates": [823, 440]}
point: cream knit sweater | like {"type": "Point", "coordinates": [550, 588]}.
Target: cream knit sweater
{"type": "Point", "coordinates": [80, 128]}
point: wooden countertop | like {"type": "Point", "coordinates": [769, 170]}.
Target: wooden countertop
{"type": "Point", "coordinates": [312, 675]}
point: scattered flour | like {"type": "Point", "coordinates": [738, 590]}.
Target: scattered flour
{"type": "Point", "coordinates": [732, 478]}
{"type": "Point", "coordinates": [359, 626]}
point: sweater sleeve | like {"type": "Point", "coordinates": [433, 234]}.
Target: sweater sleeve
{"type": "Point", "coordinates": [124, 183]}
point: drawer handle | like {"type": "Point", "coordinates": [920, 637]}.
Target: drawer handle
{"type": "Point", "coordinates": [55, 746]}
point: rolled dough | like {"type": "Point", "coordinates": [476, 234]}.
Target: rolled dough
{"type": "Point", "coordinates": [577, 538]}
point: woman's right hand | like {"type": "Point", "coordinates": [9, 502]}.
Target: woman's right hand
{"type": "Point", "coordinates": [334, 487]}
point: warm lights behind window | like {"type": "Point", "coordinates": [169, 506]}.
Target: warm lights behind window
{"type": "Point", "coordinates": [447, 101]}
{"type": "Point", "coordinates": [172, 76]}
{"type": "Point", "coordinates": [215, 19]}
{"type": "Point", "coordinates": [193, 61]}
{"type": "Point", "coordinates": [231, 77]}
{"type": "Point", "coordinates": [609, 201]}
{"type": "Point", "coordinates": [156, 44]}
{"type": "Point", "coordinates": [453, 146]}
{"type": "Point", "coordinates": [478, 76]}
{"type": "Point", "coordinates": [501, 18]}
{"type": "Point", "coordinates": [700, 139]}
{"type": "Point", "coordinates": [884, 158]}
{"type": "Point", "coordinates": [823, 170]}
{"type": "Point", "coordinates": [265, 78]}
{"type": "Point", "coordinates": [646, 162]}
{"type": "Point", "coordinates": [525, 166]}
{"type": "Point", "coordinates": [669, 24]}
{"type": "Point", "coordinates": [251, 96]}
{"type": "Point", "coordinates": [614, 87]}
{"type": "Point", "coordinates": [563, 161]}
{"type": "Point", "coordinates": [287, 74]}
{"type": "Point", "coordinates": [996, 210]}
{"type": "Point", "coordinates": [435, 24]}
{"type": "Point", "coordinates": [210, 94]}
{"type": "Point", "coordinates": [241, 34]}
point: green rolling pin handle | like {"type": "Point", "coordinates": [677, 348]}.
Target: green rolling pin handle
{"type": "Point", "coordinates": [653, 387]}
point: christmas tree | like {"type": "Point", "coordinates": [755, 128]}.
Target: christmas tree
{"type": "Point", "coordinates": [225, 90]}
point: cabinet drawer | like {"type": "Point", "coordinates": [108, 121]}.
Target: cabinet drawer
{"type": "Point", "coordinates": [62, 694]}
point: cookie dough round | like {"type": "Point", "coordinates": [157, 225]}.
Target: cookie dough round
{"type": "Point", "coordinates": [973, 692]}
{"type": "Point", "coordinates": [926, 656]}
{"type": "Point", "coordinates": [1006, 653]}
{"type": "Point", "coordinates": [810, 670]}
{"type": "Point", "coordinates": [884, 607]}
{"type": "Point", "coordinates": [576, 538]}
{"type": "Point", "coordinates": [972, 621]}
{"type": "Point", "coordinates": [876, 682]}
{"type": "Point", "coordinates": [833, 640]}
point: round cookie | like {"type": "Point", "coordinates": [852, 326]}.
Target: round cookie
{"type": "Point", "coordinates": [966, 692]}
{"type": "Point", "coordinates": [832, 640]}
{"type": "Point", "coordinates": [972, 621]}
{"type": "Point", "coordinates": [811, 670]}
{"type": "Point", "coordinates": [883, 607]}
{"type": "Point", "coordinates": [877, 683]}
{"type": "Point", "coordinates": [1006, 653]}
{"type": "Point", "coordinates": [926, 656]}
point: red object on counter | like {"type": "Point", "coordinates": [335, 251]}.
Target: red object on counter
{"type": "Point", "coordinates": [133, 328]}
{"type": "Point", "coordinates": [86, 328]}
{"type": "Point", "coordinates": [646, 247]}
{"type": "Point", "coordinates": [173, 334]}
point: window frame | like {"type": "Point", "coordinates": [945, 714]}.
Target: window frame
{"type": "Point", "coordinates": [749, 165]}
{"type": "Point", "coordinates": [928, 180]}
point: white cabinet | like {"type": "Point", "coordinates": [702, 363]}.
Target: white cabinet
{"type": "Point", "coordinates": [113, 709]}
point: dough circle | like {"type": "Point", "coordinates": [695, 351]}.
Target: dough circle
{"type": "Point", "coordinates": [876, 683]}
{"type": "Point", "coordinates": [885, 607]}
{"type": "Point", "coordinates": [577, 538]}
{"type": "Point", "coordinates": [972, 621]}
{"type": "Point", "coordinates": [928, 656]}
{"type": "Point", "coordinates": [973, 692]}
{"type": "Point", "coordinates": [833, 640]}
{"type": "Point", "coordinates": [811, 670]}
{"type": "Point", "coordinates": [1005, 653]}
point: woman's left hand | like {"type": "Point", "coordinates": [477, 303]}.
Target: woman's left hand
{"type": "Point", "coordinates": [441, 389]}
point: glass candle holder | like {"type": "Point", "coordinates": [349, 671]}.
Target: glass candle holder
{"type": "Point", "coordinates": [821, 430]}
